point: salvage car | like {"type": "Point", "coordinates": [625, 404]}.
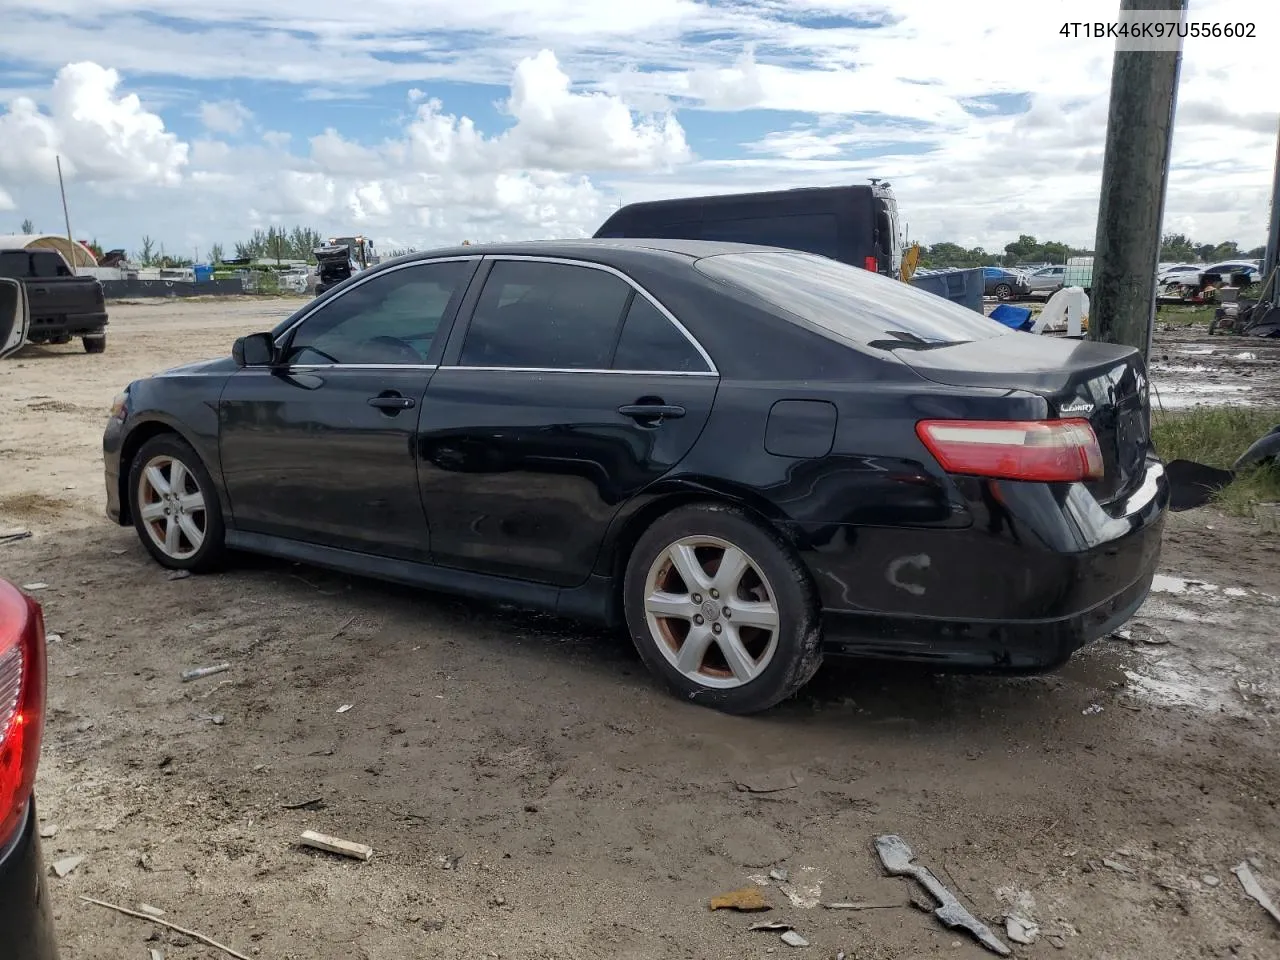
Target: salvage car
{"type": "Point", "coordinates": [1004, 284]}
{"type": "Point", "coordinates": [748, 456]}
{"type": "Point", "coordinates": [26, 919]}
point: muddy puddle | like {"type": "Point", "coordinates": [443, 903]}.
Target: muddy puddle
{"type": "Point", "coordinates": [1194, 370]}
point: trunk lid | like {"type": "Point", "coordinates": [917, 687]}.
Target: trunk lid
{"type": "Point", "coordinates": [1103, 383]}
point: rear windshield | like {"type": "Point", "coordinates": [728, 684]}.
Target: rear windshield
{"type": "Point", "coordinates": [848, 303]}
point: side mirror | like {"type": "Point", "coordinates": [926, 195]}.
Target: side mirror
{"type": "Point", "coordinates": [255, 350]}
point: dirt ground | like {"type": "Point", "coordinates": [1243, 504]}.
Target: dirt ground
{"type": "Point", "coordinates": [530, 793]}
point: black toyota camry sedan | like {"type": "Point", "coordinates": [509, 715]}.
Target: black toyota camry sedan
{"type": "Point", "coordinates": [26, 922]}
{"type": "Point", "coordinates": [750, 457]}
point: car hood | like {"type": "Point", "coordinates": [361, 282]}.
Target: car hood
{"type": "Point", "coordinates": [222, 365]}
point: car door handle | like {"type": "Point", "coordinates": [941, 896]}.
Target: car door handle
{"type": "Point", "coordinates": [651, 411]}
{"type": "Point", "coordinates": [391, 402]}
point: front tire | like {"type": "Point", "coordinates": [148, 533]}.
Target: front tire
{"type": "Point", "coordinates": [1003, 292]}
{"type": "Point", "coordinates": [721, 610]}
{"type": "Point", "coordinates": [174, 505]}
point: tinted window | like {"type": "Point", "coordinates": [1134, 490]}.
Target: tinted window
{"type": "Point", "coordinates": [812, 233]}
{"type": "Point", "coordinates": [650, 341]}
{"type": "Point", "coordinates": [15, 264]}
{"type": "Point", "coordinates": [549, 315]}
{"type": "Point", "coordinates": [847, 303]}
{"type": "Point", "coordinates": [391, 318]}
{"type": "Point", "coordinates": [49, 265]}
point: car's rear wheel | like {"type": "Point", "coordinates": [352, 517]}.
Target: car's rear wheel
{"type": "Point", "coordinates": [174, 505]}
{"type": "Point", "coordinates": [721, 610]}
{"type": "Point", "coordinates": [1003, 291]}
{"type": "Point", "coordinates": [95, 343]}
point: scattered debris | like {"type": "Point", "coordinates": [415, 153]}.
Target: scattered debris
{"type": "Point", "coordinates": [150, 911]}
{"type": "Point", "coordinates": [48, 831]}
{"type": "Point", "coordinates": [63, 867]}
{"type": "Point", "coordinates": [154, 954]}
{"type": "Point", "coordinates": [498, 900]}
{"type": "Point", "coordinates": [745, 900]}
{"type": "Point", "coordinates": [315, 803]}
{"type": "Point", "coordinates": [806, 897]}
{"type": "Point", "coordinates": [1091, 709]}
{"type": "Point", "coordinates": [768, 784]}
{"type": "Point", "coordinates": [770, 926]}
{"type": "Point", "coordinates": [1209, 880]}
{"type": "Point", "coordinates": [1119, 867]}
{"type": "Point", "coordinates": [793, 939]}
{"type": "Point", "coordinates": [450, 862]}
{"type": "Point", "coordinates": [345, 707]}
{"type": "Point", "coordinates": [13, 536]}
{"type": "Point", "coordinates": [35, 586]}
{"type": "Point", "coordinates": [216, 719]}
{"type": "Point", "coordinates": [171, 926]}
{"type": "Point", "coordinates": [356, 851]}
{"type": "Point", "coordinates": [779, 875]}
{"type": "Point", "coordinates": [1057, 941]}
{"type": "Point", "coordinates": [53, 638]}
{"type": "Point", "coordinates": [897, 856]}
{"type": "Point", "coordinates": [1020, 930]}
{"type": "Point", "coordinates": [1254, 889]}
{"type": "Point", "coordinates": [864, 906]}
{"type": "Point", "coordinates": [178, 574]}
{"type": "Point", "coordinates": [199, 673]}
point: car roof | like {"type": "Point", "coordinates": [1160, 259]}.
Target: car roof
{"type": "Point", "coordinates": [596, 250]}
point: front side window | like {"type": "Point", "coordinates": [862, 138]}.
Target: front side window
{"type": "Point", "coordinates": [390, 319]}
{"type": "Point", "coordinates": [552, 316]}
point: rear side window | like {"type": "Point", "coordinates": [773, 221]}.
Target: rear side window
{"type": "Point", "coordinates": [812, 233]}
{"type": "Point", "coordinates": [651, 342]}
{"type": "Point", "coordinates": [547, 315]}
{"type": "Point", "coordinates": [846, 303]}
{"type": "Point", "coordinates": [15, 264]}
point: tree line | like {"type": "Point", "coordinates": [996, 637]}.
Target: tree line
{"type": "Point", "coordinates": [1174, 248]}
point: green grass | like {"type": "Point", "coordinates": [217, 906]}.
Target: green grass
{"type": "Point", "coordinates": [1186, 316]}
{"type": "Point", "coordinates": [1217, 436]}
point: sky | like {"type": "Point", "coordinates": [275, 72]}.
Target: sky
{"type": "Point", "coordinates": [423, 123]}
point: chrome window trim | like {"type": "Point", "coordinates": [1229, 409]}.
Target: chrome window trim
{"type": "Point", "coordinates": [632, 373]}
{"type": "Point", "coordinates": [711, 371]}
{"type": "Point", "coordinates": [363, 366]}
{"type": "Point", "coordinates": [361, 282]}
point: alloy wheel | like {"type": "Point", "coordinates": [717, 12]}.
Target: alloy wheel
{"type": "Point", "coordinates": [711, 612]}
{"type": "Point", "coordinates": [172, 507]}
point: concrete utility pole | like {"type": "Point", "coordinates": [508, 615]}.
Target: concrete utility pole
{"type": "Point", "coordinates": [1135, 171]}
{"type": "Point", "coordinates": [1273, 234]}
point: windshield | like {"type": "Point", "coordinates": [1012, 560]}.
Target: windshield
{"type": "Point", "coordinates": [847, 303]}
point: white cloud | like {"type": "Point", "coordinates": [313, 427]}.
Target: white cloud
{"type": "Point", "coordinates": [101, 136]}
{"type": "Point", "coordinates": [6, 201]}
{"type": "Point", "coordinates": [225, 116]}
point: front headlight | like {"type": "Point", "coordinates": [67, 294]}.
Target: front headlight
{"type": "Point", "coordinates": [120, 406]}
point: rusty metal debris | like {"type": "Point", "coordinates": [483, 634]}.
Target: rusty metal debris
{"type": "Point", "coordinates": [897, 856]}
{"type": "Point", "coordinates": [746, 900]}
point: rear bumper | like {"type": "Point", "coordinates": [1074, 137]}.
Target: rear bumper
{"type": "Point", "coordinates": [26, 920]}
{"type": "Point", "coordinates": [1040, 573]}
{"type": "Point", "coordinates": [55, 326]}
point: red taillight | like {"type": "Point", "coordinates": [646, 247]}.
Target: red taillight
{"type": "Point", "coordinates": [22, 685]}
{"type": "Point", "coordinates": [1044, 450]}
{"type": "Point", "coordinates": [871, 264]}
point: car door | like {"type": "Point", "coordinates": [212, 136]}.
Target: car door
{"type": "Point", "coordinates": [15, 316]}
{"type": "Point", "coordinates": [320, 447]}
{"type": "Point", "coordinates": [568, 391]}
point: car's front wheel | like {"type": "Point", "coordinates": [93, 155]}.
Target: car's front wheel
{"type": "Point", "coordinates": [721, 610]}
{"type": "Point", "coordinates": [1003, 291]}
{"type": "Point", "coordinates": [174, 505]}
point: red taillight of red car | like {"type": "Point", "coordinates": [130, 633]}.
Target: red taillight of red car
{"type": "Point", "coordinates": [22, 690]}
{"type": "Point", "coordinates": [1049, 451]}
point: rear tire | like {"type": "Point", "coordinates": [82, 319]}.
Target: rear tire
{"type": "Point", "coordinates": [95, 343]}
{"type": "Point", "coordinates": [175, 506]}
{"type": "Point", "coordinates": [1003, 292]}
{"type": "Point", "coordinates": [758, 653]}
